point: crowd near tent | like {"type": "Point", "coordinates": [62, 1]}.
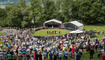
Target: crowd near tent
{"type": "Point", "coordinates": [74, 25]}
{"type": "Point", "coordinates": [53, 23]}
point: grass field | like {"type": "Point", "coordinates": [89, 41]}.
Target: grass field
{"type": "Point", "coordinates": [4, 47]}
{"type": "Point", "coordinates": [51, 32]}
{"type": "Point", "coordinates": [96, 28]}
{"type": "Point", "coordinates": [2, 34]}
{"type": "Point", "coordinates": [87, 28]}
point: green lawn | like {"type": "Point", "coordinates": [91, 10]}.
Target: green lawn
{"type": "Point", "coordinates": [1, 42]}
{"type": "Point", "coordinates": [87, 28]}
{"type": "Point", "coordinates": [96, 28]}
{"type": "Point", "coordinates": [51, 32]}
{"type": "Point", "coordinates": [2, 34]}
{"type": "Point", "coordinates": [4, 46]}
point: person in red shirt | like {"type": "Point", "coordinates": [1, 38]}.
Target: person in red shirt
{"type": "Point", "coordinates": [73, 50]}
{"type": "Point", "coordinates": [73, 45]}
{"type": "Point", "coordinates": [61, 47]}
{"type": "Point", "coordinates": [103, 57]}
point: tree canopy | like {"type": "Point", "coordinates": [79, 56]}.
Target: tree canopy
{"type": "Point", "coordinates": [21, 14]}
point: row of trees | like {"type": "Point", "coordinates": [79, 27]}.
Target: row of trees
{"type": "Point", "coordinates": [38, 11]}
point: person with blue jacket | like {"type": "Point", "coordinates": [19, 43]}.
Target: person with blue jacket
{"type": "Point", "coordinates": [50, 55]}
{"type": "Point", "coordinates": [65, 55]}
{"type": "Point", "coordinates": [45, 54]}
{"type": "Point", "coordinates": [78, 56]}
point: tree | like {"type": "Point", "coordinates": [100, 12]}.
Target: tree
{"type": "Point", "coordinates": [22, 3]}
{"type": "Point", "coordinates": [13, 15]}
{"type": "Point", "coordinates": [3, 14]}
{"type": "Point", "coordinates": [49, 9]}
{"type": "Point", "coordinates": [24, 23]}
{"type": "Point", "coordinates": [21, 14]}
{"type": "Point", "coordinates": [36, 10]}
{"type": "Point", "coordinates": [67, 10]}
{"type": "Point", "coordinates": [90, 12]}
{"type": "Point", "coordinates": [17, 14]}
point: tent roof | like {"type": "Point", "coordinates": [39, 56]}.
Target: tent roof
{"type": "Point", "coordinates": [76, 31]}
{"type": "Point", "coordinates": [53, 20]}
{"type": "Point", "coordinates": [76, 23]}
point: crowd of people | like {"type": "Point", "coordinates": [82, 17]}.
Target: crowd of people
{"type": "Point", "coordinates": [53, 32]}
{"type": "Point", "coordinates": [22, 46]}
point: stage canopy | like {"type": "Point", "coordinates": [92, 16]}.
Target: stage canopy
{"type": "Point", "coordinates": [74, 25]}
{"type": "Point", "coordinates": [53, 23]}
{"type": "Point", "coordinates": [76, 31]}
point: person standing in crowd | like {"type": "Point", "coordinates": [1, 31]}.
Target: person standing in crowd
{"type": "Point", "coordinates": [99, 52]}
{"type": "Point", "coordinates": [65, 54]}
{"type": "Point", "coordinates": [1, 55]}
{"type": "Point", "coordinates": [24, 53]}
{"type": "Point", "coordinates": [103, 56]}
{"type": "Point", "coordinates": [96, 44]}
{"type": "Point", "coordinates": [55, 56]}
{"type": "Point", "coordinates": [50, 55]}
{"type": "Point", "coordinates": [45, 54]}
{"type": "Point", "coordinates": [9, 56]}
{"type": "Point", "coordinates": [31, 55]}
{"type": "Point", "coordinates": [91, 53]}
{"type": "Point", "coordinates": [19, 56]}
{"type": "Point", "coordinates": [70, 54]}
{"type": "Point", "coordinates": [35, 55]}
{"type": "Point", "coordinates": [73, 51]}
{"type": "Point", "coordinates": [104, 47]}
{"type": "Point", "coordinates": [104, 42]}
{"type": "Point", "coordinates": [40, 55]}
{"type": "Point", "coordinates": [78, 56]}
{"type": "Point", "coordinates": [28, 55]}
{"type": "Point", "coordinates": [60, 55]}
{"type": "Point", "coordinates": [5, 55]}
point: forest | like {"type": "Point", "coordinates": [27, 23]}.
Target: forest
{"type": "Point", "coordinates": [37, 12]}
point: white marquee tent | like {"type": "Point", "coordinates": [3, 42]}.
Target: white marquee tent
{"type": "Point", "coordinates": [74, 23]}
{"type": "Point", "coordinates": [53, 23]}
{"type": "Point", "coordinates": [78, 24]}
